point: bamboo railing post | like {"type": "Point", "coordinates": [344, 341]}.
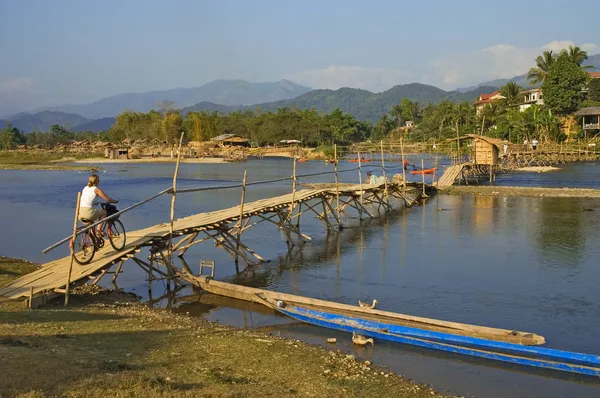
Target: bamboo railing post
{"type": "Point", "coordinates": [360, 185]}
{"type": "Point", "coordinates": [337, 183]}
{"type": "Point", "coordinates": [174, 193]}
{"type": "Point", "coordinates": [385, 191]}
{"type": "Point", "coordinates": [293, 189]}
{"type": "Point", "coordinates": [239, 231]}
{"type": "Point", "coordinates": [403, 168]}
{"type": "Point", "coordinates": [68, 285]}
{"type": "Point", "coordinates": [423, 175]}
{"type": "Point", "coordinates": [435, 167]}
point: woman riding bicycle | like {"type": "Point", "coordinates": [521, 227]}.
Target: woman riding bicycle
{"type": "Point", "coordinates": [87, 209]}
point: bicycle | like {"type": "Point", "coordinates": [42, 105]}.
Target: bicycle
{"type": "Point", "coordinates": [86, 244]}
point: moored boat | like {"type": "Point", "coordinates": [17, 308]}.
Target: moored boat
{"type": "Point", "coordinates": [503, 345]}
{"type": "Point", "coordinates": [269, 298]}
{"type": "Point", "coordinates": [424, 171]}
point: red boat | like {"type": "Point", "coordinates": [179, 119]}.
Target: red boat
{"type": "Point", "coordinates": [424, 171]}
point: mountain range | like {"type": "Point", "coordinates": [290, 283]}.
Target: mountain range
{"type": "Point", "coordinates": [363, 104]}
{"type": "Point", "coordinates": [225, 92]}
{"type": "Point", "coordinates": [230, 95]}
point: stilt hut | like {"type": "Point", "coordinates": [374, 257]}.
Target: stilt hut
{"type": "Point", "coordinates": [478, 149]}
{"type": "Point", "coordinates": [590, 119]}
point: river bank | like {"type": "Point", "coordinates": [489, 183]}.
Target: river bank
{"type": "Point", "coordinates": [487, 190]}
{"type": "Point", "coordinates": [107, 343]}
{"type": "Point", "coordinates": [16, 160]}
{"type": "Point", "coordinates": [150, 160]}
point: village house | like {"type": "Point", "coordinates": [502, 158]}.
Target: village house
{"type": "Point", "coordinates": [485, 99]}
{"type": "Point", "coordinates": [531, 97]}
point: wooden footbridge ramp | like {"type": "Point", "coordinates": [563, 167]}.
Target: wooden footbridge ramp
{"type": "Point", "coordinates": [450, 175]}
{"type": "Point", "coordinates": [224, 227]}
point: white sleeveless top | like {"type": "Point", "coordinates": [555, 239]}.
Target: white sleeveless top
{"type": "Point", "coordinates": [88, 196]}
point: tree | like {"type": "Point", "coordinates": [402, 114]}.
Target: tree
{"type": "Point", "coordinates": [563, 85]}
{"type": "Point", "coordinates": [594, 87]}
{"type": "Point", "coordinates": [543, 62]}
{"type": "Point", "coordinates": [409, 110]}
{"type": "Point", "coordinates": [577, 56]}
{"type": "Point", "coordinates": [512, 93]}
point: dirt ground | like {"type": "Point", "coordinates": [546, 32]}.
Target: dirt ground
{"type": "Point", "coordinates": [524, 191]}
{"type": "Point", "coordinates": [108, 344]}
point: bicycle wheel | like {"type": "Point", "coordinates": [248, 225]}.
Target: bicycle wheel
{"type": "Point", "coordinates": [116, 234]}
{"type": "Point", "coordinates": [84, 248]}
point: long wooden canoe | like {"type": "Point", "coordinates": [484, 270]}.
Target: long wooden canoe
{"type": "Point", "coordinates": [270, 298]}
{"type": "Point", "coordinates": [540, 357]}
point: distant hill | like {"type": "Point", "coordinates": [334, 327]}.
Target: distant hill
{"type": "Point", "coordinates": [95, 126]}
{"type": "Point", "coordinates": [225, 92]}
{"type": "Point", "coordinates": [363, 104]}
{"type": "Point", "coordinates": [522, 81]}
{"type": "Point", "coordinates": [42, 121]}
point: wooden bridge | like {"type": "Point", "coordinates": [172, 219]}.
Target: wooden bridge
{"type": "Point", "coordinates": [224, 227]}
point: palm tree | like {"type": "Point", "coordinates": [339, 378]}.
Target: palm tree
{"type": "Point", "coordinates": [577, 55]}
{"type": "Point", "coordinates": [543, 62]}
{"type": "Point", "coordinates": [512, 93]}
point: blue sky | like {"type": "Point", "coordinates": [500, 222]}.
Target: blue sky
{"type": "Point", "coordinates": [77, 51]}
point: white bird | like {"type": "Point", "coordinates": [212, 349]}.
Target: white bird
{"type": "Point", "coordinates": [365, 305]}
{"type": "Point", "coordinates": [361, 340]}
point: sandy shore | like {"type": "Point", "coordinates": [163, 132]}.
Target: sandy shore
{"type": "Point", "coordinates": [538, 169]}
{"type": "Point", "coordinates": [149, 160]}
{"type": "Point", "coordinates": [523, 191]}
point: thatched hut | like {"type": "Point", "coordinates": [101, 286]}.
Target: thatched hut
{"type": "Point", "coordinates": [590, 117]}
{"type": "Point", "coordinates": [230, 140]}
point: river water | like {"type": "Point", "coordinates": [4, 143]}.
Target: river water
{"type": "Point", "coordinates": [531, 264]}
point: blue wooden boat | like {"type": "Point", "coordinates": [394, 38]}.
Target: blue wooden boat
{"type": "Point", "coordinates": [507, 352]}
{"type": "Point", "coordinates": [503, 345]}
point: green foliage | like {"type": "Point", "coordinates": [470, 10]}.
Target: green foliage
{"type": "Point", "coordinates": [563, 85]}
{"type": "Point", "coordinates": [543, 62]}
{"type": "Point", "coordinates": [588, 104]}
{"type": "Point", "coordinates": [594, 93]}
{"type": "Point", "coordinates": [512, 93]}
{"type": "Point", "coordinates": [10, 137]}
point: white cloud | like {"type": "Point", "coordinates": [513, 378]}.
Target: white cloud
{"type": "Point", "coordinates": [15, 85]}
{"type": "Point", "coordinates": [334, 77]}
{"type": "Point", "coordinates": [495, 62]}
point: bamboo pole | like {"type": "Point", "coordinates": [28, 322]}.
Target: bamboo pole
{"type": "Point", "coordinates": [293, 189]}
{"type": "Point", "coordinates": [385, 190]}
{"type": "Point", "coordinates": [68, 285]}
{"type": "Point", "coordinates": [423, 175]}
{"type": "Point", "coordinates": [360, 184]}
{"type": "Point", "coordinates": [403, 168]}
{"type": "Point", "coordinates": [435, 167]}
{"type": "Point", "coordinates": [337, 183]}
{"type": "Point", "coordinates": [170, 265]}
{"type": "Point", "coordinates": [239, 231]}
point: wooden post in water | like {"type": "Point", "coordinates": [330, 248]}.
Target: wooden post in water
{"type": "Point", "coordinates": [337, 184]}
{"type": "Point", "coordinates": [423, 175]}
{"type": "Point", "coordinates": [435, 167]}
{"type": "Point", "coordinates": [293, 189]}
{"type": "Point", "coordinates": [403, 168]}
{"type": "Point", "coordinates": [174, 193]}
{"type": "Point", "coordinates": [239, 232]}
{"type": "Point", "coordinates": [68, 285]}
{"type": "Point", "coordinates": [385, 192]}
{"type": "Point", "coordinates": [360, 184]}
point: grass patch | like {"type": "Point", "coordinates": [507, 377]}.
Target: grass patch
{"type": "Point", "coordinates": [126, 349]}
{"type": "Point", "coordinates": [40, 160]}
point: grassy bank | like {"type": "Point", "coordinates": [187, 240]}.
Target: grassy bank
{"type": "Point", "coordinates": [108, 344]}
{"type": "Point", "coordinates": [37, 160]}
